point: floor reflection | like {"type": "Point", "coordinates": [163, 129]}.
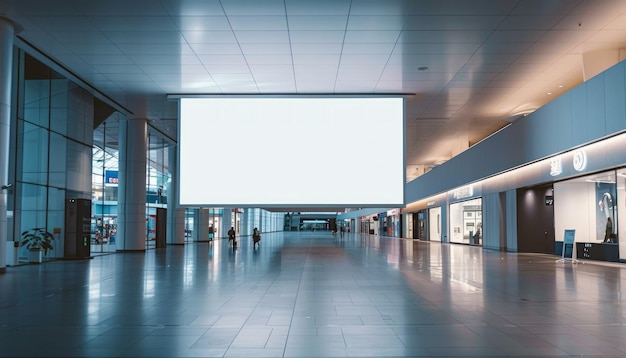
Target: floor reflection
{"type": "Point", "coordinates": [313, 295]}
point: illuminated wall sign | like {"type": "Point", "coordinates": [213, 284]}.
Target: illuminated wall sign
{"type": "Point", "coordinates": [580, 160]}
{"type": "Point", "coordinates": [555, 166]}
{"type": "Point", "coordinates": [464, 192]}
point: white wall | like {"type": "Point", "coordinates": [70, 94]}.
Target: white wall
{"type": "Point", "coordinates": [574, 208]}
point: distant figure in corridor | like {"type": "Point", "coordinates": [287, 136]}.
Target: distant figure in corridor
{"type": "Point", "coordinates": [231, 236]}
{"type": "Point", "coordinates": [256, 237]}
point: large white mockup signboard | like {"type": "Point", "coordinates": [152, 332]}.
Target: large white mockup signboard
{"type": "Point", "coordinates": [290, 151]}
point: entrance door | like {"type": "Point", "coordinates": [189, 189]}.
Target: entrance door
{"type": "Point", "coordinates": [535, 220]}
{"type": "Point", "coordinates": [422, 225]}
{"type": "Point", "coordinates": [415, 226]}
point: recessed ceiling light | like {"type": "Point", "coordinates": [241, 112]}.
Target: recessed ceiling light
{"type": "Point", "coordinates": [549, 92]}
{"type": "Point", "coordinates": [422, 68]}
{"type": "Point", "coordinates": [560, 86]}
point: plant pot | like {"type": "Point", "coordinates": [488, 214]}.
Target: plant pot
{"type": "Point", "coordinates": [35, 256]}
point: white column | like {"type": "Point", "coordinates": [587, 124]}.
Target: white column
{"type": "Point", "coordinates": [7, 32]}
{"type": "Point", "coordinates": [175, 214]}
{"type": "Point", "coordinates": [131, 206]}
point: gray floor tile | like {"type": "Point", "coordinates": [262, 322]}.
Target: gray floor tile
{"type": "Point", "coordinates": [305, 295]}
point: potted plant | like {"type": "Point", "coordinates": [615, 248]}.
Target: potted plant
{"type": "Point", "coordinates": [37, 241]}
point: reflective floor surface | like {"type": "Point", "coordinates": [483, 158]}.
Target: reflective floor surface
{"type": "Point", "coordinates": [314, 295]}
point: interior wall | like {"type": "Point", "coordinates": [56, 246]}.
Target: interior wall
{"type": "Point", "coordinates": [491, 221]}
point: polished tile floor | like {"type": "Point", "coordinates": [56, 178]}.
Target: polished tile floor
{"type": "Point", "coordinates": [312, 295]}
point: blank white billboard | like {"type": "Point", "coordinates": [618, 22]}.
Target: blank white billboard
{"type": "Point", "coordinates": [292, 152]}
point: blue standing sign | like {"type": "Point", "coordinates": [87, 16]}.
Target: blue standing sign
{"type": "Point", "coordinates": [568, 246]}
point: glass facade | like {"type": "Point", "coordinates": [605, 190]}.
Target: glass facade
{"type": "Point", "coordinates": [53, 137]}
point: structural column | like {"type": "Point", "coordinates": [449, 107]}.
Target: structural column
{"type": "Point", "coordinates": [226, 221]}
{"type": "Point", "coordinates": [202, 225]}
{"type": "Point", "coordinates": [175, 214]}
{"type": "Point", "coordinates": [131, 207]}
{"type": "Point", "coordinates": [7, 32]}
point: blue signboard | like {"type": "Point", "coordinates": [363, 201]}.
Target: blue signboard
{"type": "Point", "coordinates": [111, 177]}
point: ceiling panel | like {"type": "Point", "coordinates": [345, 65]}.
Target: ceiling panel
{"type": "Point", "coordinates": [143, 37]}
{"type": "Point", "coordinates": [261, 37]}
{"type": "Point", "coordinates": [316, 36]}
{"type": "Point", "coordinates": [201, 23]}
{"type": "Point", "coordinates": [253, 7]}
{"type": "Point", "coordinates": [318, 7]}
{"type": "Point", "coordinates": [384, 37]}
{"type": "Point", "coordinates": [469, 36]}
{"type": "Point", "coordinates": [376, 23]}
{"type": "Point", "coordinates": [316, 48]}
{"type": "Point", "coordinates": [268, 59]}
{"type": "Point", "coordinates": [209, 37]}
{"type": "Point", "coordinates": [440, 23]}
{"type": "Point", "coordinates": [216, 48]}
{"type": "Point", "coordinates": [265, 49]}
{"type": "Point", "coordinates": [307, 23]}
{"type": "Point", "coordinates": [254, 23]}
{"type": "Point", "coordinates": [193, 7]}
{"type": "Point", "coordinates": [131, 23]}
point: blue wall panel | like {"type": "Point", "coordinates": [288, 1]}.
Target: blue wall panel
{"type": "Point", "coordinates": [614, 94]}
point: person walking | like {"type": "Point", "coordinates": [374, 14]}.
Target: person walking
{"type": "Point", "coordinates": [256, 237]}
{"type": "Point", "coordinates": [231, 236]}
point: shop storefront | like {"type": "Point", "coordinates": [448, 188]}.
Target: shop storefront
{"type": "Point", "coordinates": [466, 222]}
{"type": "Point", "coordinates": [590, 206]}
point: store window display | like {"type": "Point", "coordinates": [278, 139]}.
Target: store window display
{"type": "Point", "coordinates": [589, 205]}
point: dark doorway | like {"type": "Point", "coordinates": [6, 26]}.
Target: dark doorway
{"type": "Point", "coordinates": [535, 219]}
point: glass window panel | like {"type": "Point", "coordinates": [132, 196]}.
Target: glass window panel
{"type": "Point", "coordinates": [34, 154]}
{"type": "Point", "coordinates": [59, 110]}
{"type": "Point", "coordinates": [37, 101]}
{"type": "Point", "coordinates": [58, 155]}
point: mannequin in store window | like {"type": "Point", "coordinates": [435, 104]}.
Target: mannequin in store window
{"type": "Point", "coordinates": [608, 231]}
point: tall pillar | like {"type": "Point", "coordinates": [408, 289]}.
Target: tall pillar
{"type": "Point", "coordinates": [226, 221]}
{"type": "Point", "coordinates": [202, 225]}
{"type": "Point", "coordinates": [175, 214]}
{"type": "Point", "coordinates": [7, 32]}
{"type": "Point", "coordinates": [131, 205]}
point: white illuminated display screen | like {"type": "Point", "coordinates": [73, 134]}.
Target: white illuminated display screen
{"type": "Point", "coordinates": [295, 152]}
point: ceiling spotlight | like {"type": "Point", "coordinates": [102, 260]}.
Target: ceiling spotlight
{"type": "Point", "coordinates": [422, 68]}
{"type": "Point", "coordinates": [549, 92]}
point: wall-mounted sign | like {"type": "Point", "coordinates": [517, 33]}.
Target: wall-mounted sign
{"type": "Point", "coordinates": [111, 177]}
{"type": "Point", "coordinates": [580, 160]}
{"type": "Point", "coordinates": [555, 166]}
{"type": "Point", "coordinates": [431, 203]}
{"type": "Point", "coordinates": [549, 200]}
{"type": "Point", "coordinates": [464, 192]}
